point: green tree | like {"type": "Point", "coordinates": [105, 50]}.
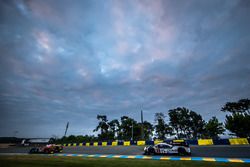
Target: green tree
{"type": "Point", "coordinates": [178, 118]}
{"type": "Point", "coordinates": [238, 119]}
{"type": "Point", "coordinates": [71, 139]}
{"type": "Point", "coordinates": [242, 106]}
{"type": "Point", "coordinates": [114, 127]}
{"type": "Point", "coordinates": [148, 130]}
{"type": "Point", "coordinates": [76, 139]}
{"type": "Point", "coordinates": [186, 123]}
{"type": "Point", "coordinates": [161, 128]}
{"type": "Point", "coordinates": [238, 124]}
{"type": "Point", "coordinates": [125, 131]}
{"type": "Point", "coordinates": [195, 125]}
{"type": "Point", "coordinates": [213, 128]}
{"type": "Point", "coordinates": [103, 126]}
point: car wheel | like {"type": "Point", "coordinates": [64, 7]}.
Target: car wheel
{"type": "Point", "coordinates": [182, 151]}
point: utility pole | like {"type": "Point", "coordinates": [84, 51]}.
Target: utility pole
{"type": "Point", "coordinates": [142, 128]}
{"type": "Point", "coordinates": [132, 138]}
{"type": "Point", "coordinates": [67, 126]}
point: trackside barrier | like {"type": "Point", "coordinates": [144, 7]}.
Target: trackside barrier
{"type": "Point", "coordinates": [104, 143]}
{"type": "Point", "coordinates": [221, 142]}
{"type": "Point", "coordinates": [237, 141]}
{"type": "Point", "coordinates": [126, 143]}
{"type": "Point", "coordinates": [234, 141]}
{"type": "Point", "coordinates": [141, 143]}
{"type": "Point", "coordinates": [205, 142]}
{"type": "Point", "coordinates": [120, 143]}
{"type": "Point", "coordinates": [192, 142]}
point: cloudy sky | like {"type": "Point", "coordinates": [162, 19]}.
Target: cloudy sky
{"type": "Point", "coordinates": [71, 60]}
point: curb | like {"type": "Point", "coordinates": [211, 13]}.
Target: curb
{"type": "Point", "coordinates": [208, 159]}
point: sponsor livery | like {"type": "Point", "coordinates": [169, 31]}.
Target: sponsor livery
{"type": "Point", "coordinates": [48, 149]}
{"type": "Point", "coordinates": [180, 148]}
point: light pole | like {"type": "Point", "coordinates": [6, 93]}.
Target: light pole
{"type": "Point", "coordinates": [132, 138]}
{"type": "Point", "coordinates": [67, 126]}
{"type": "Point", "coordinates": [142, 127]}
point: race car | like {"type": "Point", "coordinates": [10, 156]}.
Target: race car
{"type": "Point", "coordinates": [164, 148]}
{"type": "Point", "coordinates": [48, 149]}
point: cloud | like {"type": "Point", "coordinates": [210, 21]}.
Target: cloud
{"type": "Point", "coordinates": [69, 61]}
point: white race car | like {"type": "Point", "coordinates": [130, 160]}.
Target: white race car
{"type": "Point", "coordinates": [164, 148]}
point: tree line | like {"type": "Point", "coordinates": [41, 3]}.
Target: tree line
{"type": "Point", "coordinates": [182, 123]}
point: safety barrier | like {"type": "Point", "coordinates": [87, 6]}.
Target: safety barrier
{"type": "Point", "coordinates": [141, 143]}
{"type": "Point", "coordinates": [237, 141]}
{"type": "Point", "coordinates": [126, 143]}
{"type": "Point", "coordinates": [221, 142]}
{"type": "Point", "coordinates": [202, 142]}
{"type": "Point", "coordinates": [104, 143]}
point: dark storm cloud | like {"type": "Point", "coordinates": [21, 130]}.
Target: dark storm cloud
{"type": "Point", "coordinates": [71, 60]}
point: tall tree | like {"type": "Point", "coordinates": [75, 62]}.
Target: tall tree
{"type": "Point", "coordinates": [103, 126]}
{"type": "Point", "coordinates": [238, 124]}
{"type": "Point", "coordinates": [186, 123]}
{"type": "Point", "coordinates": [114, 127]}
{"type": "Point", "coordinates": [179, 120]}
{"type": "Point", "coordinates": [242, 106]}
{"type": "Point", "coordinates": [196, 125]}
{"type": "Point", "coordinates": [126, 128]}
{"type": "Point", "coordinates": [148, 129]}
{"type": "Point", "coordinates": [237, 121]}
{"type": "Point", "coordinates": [213, 128]}
{"type": "Point", "coordinates": [161, 128]}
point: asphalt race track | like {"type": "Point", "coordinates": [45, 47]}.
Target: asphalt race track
{"type": "Point", "coordinates": [227, 151]}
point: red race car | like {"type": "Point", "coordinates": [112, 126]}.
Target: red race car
{"type": "Point", "coordinates": [48, 149]}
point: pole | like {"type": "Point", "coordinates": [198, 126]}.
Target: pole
{"type": "Point", "coordinates": [67, 126]}
{"type": "Point", "coordinates": [132, 131]}
{"type": "Point", "coordinates": [142, 128]}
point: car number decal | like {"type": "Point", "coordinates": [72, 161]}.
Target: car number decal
{"type": "Point", "coordinates": [163, 151]}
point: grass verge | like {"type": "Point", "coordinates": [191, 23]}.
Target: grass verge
{"type": "Point", "coordinates": [41, 161]}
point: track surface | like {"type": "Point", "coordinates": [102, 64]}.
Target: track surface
{"type": "Point", "coordinates": [197, 151]}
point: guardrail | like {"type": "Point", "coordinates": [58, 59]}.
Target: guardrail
{"type": "Point", "coordinates": [202, 142]}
